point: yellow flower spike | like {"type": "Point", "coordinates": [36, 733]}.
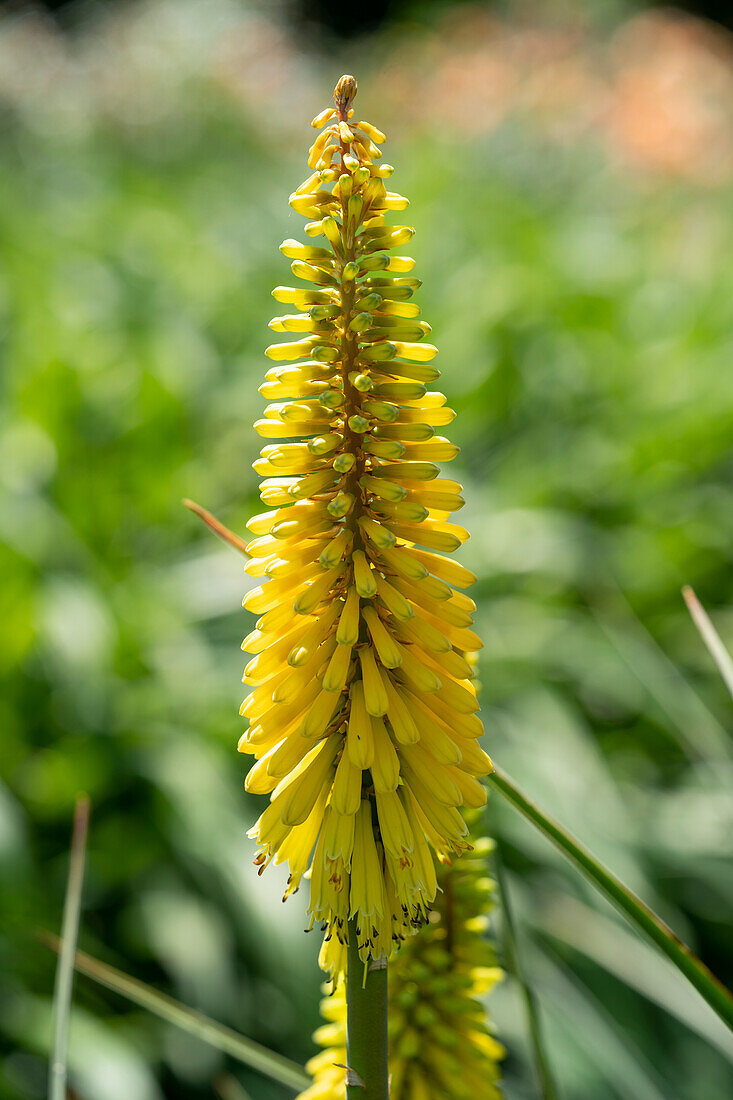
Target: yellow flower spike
{"type": "Point", "coordinates": [362, 714]}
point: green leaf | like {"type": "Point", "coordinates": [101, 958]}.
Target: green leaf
{"type": "Point", "coordinates": [63, 987]}
{"type": "Point", "coordinates": [514, 964]}
{"type": "Point", "coordinates": [272, 1065]}
{"type": "Point", "coordinates": [640, 915]}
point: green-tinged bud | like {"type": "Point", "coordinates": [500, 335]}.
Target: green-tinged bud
{"type": "Point", "coordinates": [381, 410]}
{"type": "Point", "coordinates": [358, 424]}
{"type": "Point", "coordinates": [311, 274]}
{"type": "Point", "coordinates": [388, 490]}
{"type": "Point", "coordinates": [395, 328]}
{"type": "Point", "coordinates": [343, 463]}
{"type": "Point", "coordinates": [332, 231]}
{"type": "Point", "coordinates": [393, 201]}
{"type": "Point", "coordinates": [324, 444]}
{"type": "Point", "coordinates": [380, 261]}
{"type": "Point", "coordinates": [350, 271]}
{"type": "Point", "coordinates": [302, 298]}
{"type": "Point", "coordinates": [323, 353]}
{"type": "Point", "coordinates": [400, 391]}
{"type": "Point", "coordinates": [335, 550]}
{"type": "Point", "coordinates": [324, 312]}
{"type": "Point", "coordinates": [374, 191]}
{"type": "Point", "coordinates": [361, 382]}
{"type": "Point", "coordinates": [294, 250]}
{"type": "Point", "coordinates": [397, 309]}
{"type": "Point", "coordinates": [361, 322]}
{"type": "Point", "coordinates": [294, 410]}
{"type": "Point", "coordinates": [341, 505]}
{"type": "Point", "coordinates": [389, 237]}
{"type": "Point", "coordinates": [346, 185]}
{"type": "Point", "coordinates": [400, 263]}
{"type": "Point", "coordinates": [409, 433]}
{"type": "Point", "coordinates": [334, 399]}
{"type": "Point", "coordinates": [384, 448]}
{"type": "Point", "coordinates": [369, 301]}
{"type": "Point", "coordinates": [378, 353]}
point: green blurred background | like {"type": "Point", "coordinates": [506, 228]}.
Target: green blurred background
{"type": "Point", "coordinates": [570, 173]}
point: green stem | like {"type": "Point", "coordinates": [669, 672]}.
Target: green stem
{"type": "Point", "coordinates": [366, 1026]}
{"type": "Point", "coordinates": [641, 916]}
{"type": "Point", "coordinates": [69, 935]}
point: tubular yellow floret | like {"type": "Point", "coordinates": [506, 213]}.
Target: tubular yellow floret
{"type": "Point", "coordinates": [362, 714]}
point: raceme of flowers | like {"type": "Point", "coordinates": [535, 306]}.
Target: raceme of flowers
{"type": "Point", "coordinates": [441, 1042]}
{"type": "Point", "coordinates": [362, 717]}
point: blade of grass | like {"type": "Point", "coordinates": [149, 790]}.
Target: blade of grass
{"type": "Point", "coordinates": [596, 1034]}
{"type": "Point", "coordinates": [614, 946]}
{"type": "Point", "coordinates": [63, 986]}
{"type": "Point", "coordinates": [224, 1038]}
{"type": "Point", "coordinates": [710, 636]}
{"type": "Point", "coordinates": [696, 729]}
{"type": "Point", "coordinates": [640, 915]}
{"type": "Point", "coordinates": [511, 951]}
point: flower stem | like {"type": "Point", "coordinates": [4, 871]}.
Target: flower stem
{"type": "Point", "coordinates": [644, 919]}
{"type": "Point", "coordinates": [366, 1026]}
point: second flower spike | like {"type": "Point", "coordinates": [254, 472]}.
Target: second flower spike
{"type": "Point", "coordinates": [362, 717]}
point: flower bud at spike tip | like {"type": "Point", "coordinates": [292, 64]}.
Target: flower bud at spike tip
{"type": "Point", "coordinates": [361, 713]}
{"type": "Point", "coordinates": [344, 93]}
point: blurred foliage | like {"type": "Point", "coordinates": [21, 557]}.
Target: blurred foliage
{"type": "Point", "coordinates": [582, 299]}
